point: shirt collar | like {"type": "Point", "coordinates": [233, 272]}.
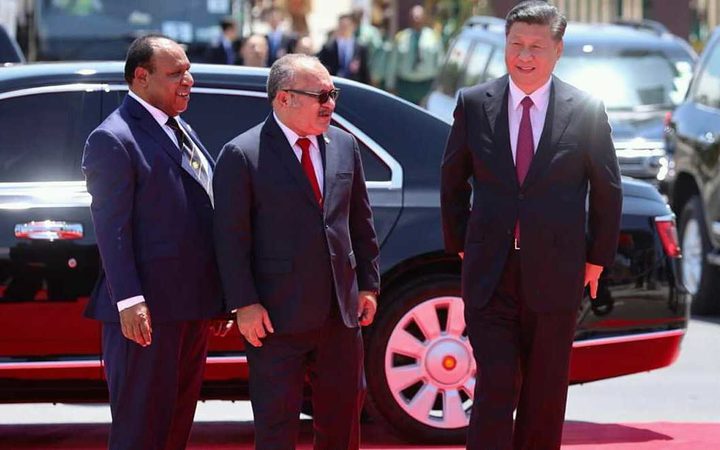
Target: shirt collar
{"type": "Point", "coordinates": [540, 97]}
{"type": "Point", "coordinates": [157, 113]}
{"type": "Point", "coordinates": [292, 136]}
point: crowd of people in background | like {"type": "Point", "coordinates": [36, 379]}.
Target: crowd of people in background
{"type": "Point", "coordinates": [404, 64]}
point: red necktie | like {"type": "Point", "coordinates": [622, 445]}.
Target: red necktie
{"type": "Point", "coordinates": [524, 151]}
{"type": "Point", "coordinates": [309, 169]}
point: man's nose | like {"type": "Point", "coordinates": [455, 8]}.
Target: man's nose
{"type": "Point", "coordinates": [188, 79]}
{"type": "Point", "coordinates": [525, 53]}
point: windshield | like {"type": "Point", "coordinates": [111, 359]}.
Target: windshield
{"type": "Point", "coordinates": [185, 21]}
{"type": "Point", "coordinates": [628, 80]}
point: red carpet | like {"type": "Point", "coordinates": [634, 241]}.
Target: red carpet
{"type": "Point", "coordinates": [239, 435]}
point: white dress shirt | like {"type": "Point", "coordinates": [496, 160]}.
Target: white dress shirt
{"type": "Point", "coordinates": [315, 156]}
{"type": "Point", "coordinates": [160, 117]}
{"type": "Point", "coordinates": [538, 111]}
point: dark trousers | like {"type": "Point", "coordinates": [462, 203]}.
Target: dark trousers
{"type": "Point", "coordinates": [154, 389]}
{"type": "Point", "coordinates": [332, 358]}
{"type": "Point", "coordinates": [523, 360]}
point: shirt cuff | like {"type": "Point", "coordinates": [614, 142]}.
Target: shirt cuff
{"type": "Point", "coordinates": [129, 302]}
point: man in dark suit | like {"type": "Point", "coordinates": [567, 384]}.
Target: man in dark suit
{"type": "Point", "coordinates": [225, 50]}
{"type": "Point", "coordinates": [298, 258]}
{"type": "Point", "coordinates": [343, 55]}
{"type": "Point", "coordinates": [149, 178]}
{"type": "Point", "coordinates": [280, 43]}
{"type": "Point", "coordinates": [531, 145]}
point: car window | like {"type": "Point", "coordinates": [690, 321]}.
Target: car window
{"type": "Point", "coordinates": [475, 71]}
{"type": "Point", "coordinates": [707, 89]}
{"type": "Point", "coordinates": [375, 169]}
{"type": "Point", "coordinates": [629, 78]}
{"type": "Point", "coordinates": [48, 135]}
{"type": "Point", "coordinates": [219, 117]}
{"type": "Point", "coordinates": [453, 68]}
{"type": "Point", "coordinates": [496, 67]}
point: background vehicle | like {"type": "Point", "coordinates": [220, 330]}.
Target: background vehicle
{"type": "Point", "coordinates": [640, 73]}
{"type": "Point", "coordinates": [693, 135]}
{"type": "Point", "coordinates": [48, 258]}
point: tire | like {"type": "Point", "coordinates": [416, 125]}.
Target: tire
{"type": "Point", "coordinates": [409, 387]}
{"type": "Point", "coordinates": [701, 279]}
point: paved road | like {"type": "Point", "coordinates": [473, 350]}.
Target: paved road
{"type": "Point", "coordinates": [688, 391]}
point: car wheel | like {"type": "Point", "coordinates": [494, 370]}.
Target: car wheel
{"type": "Point", "coordinates": [701, 279]}
{"type": "Point", "coordinates": [420, 369]}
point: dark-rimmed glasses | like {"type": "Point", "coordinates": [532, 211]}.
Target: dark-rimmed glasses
{"type": "Point", "coordinates": [322, 96]}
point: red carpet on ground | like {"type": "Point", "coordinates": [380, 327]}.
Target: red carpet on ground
{"type": "Point", "coordinates": [239, 435]}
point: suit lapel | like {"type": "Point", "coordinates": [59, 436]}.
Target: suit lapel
{"type": "Point", "coordinates": [282, 149]}
{"type": "Point", "coordinates": [556, 121]}
{"type": "Point", "coordinates": [147, 122]}
{"type": "Point", "coordinates": [330, 165]}
{"type": "Point", "coordinates": [496, 109]}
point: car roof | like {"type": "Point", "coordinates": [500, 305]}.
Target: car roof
{"type": "Point", "coordinates": [605, 35]}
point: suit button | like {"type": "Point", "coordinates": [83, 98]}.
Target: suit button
{"type": "Point", "coordinates": [521, 196]}
{"type": "Point", "coordinates": [327, 227]}
{"type": "Point", "coordinates": [509, 232]}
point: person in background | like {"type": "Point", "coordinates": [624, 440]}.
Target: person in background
{"type": "Point", "coordinates": [280, 42]}
{"type": "Point", "coordinates": [304, 45]}
{"type": "Point", "coordinates": [369, 36]}
{"type": "Point", "coordinates": [254, 51]}
{"type": "Point", "coordinates": [415, 59]}
{"type": "Point", "coordinates": [224, 51]}
{"type": "Point", "coordinates": [343, 55]}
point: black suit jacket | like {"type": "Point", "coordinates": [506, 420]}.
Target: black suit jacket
{"type": "Point", "coordinates": [217, 54]}
{"type": "Point", "coordinates": [330, 58]}
{"type": "Point", "coordinates": [153, 221]}
{"type": "Point", "coordinates": [575, 152]}
{"type": "Point", "coordinates": [276, 246]}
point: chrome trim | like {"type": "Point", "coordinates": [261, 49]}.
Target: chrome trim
{"type": "Point", "coordinates": [49, 230]}
{"type": "Point", "coordinates": [396, 171]}
{"type": "Point", "coordinates": [75, 87]}
{"type": "Point", "coordinates": [78, 364]}
{"type": "Point", "coordinates": [629, 338]}
{"type": "Point", "coordinates": [41, 194]}
{"type": "Point", "coordinates": [665, 218]}
{"type": "Point", "coordinates": [716, 228]}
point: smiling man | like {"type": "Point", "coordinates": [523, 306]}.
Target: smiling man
{"type": "Point", "coordinates": [298, 258]}
{"type": "Point", "coordinates": [524, 149]}
{"type": "Point", "coordinates": [150, 181]}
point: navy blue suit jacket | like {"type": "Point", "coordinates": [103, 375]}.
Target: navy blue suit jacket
{"type": "Point", "coordinates": [152, 220]}
{"type": "Point", "coordinates": [276, 245]}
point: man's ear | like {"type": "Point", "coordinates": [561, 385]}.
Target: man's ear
{"type": "Point", "coordinates": [141, 76]}
{"type": "Point", "coordinates": [282, 98]}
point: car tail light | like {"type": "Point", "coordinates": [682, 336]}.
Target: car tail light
{"type": "Point", "coordinates": [668, 235]}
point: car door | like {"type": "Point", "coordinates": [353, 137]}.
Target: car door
{"type": "Point", "coordinates": [48, 260]}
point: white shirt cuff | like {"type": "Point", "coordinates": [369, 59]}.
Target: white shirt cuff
{"type": "Point", "coordinates": [128, 302]}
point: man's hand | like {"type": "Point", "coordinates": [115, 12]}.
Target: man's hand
{"type": "Point", "coordinates": [367, 306]}
{"type": "Point", "coordinates": [592, 275]}
{"type": "Point", "coordinates": [254, 323]}
{"type": "Point", "coordinates": [136, 324]}
{"type": "Point", "coordinates": [221, 327]}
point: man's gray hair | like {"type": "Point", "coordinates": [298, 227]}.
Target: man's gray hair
{"type": "Point", "coordinates": [282, 72]}
{"type": "Point", "coordinates": [537, 12]}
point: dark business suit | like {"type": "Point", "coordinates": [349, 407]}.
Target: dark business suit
{"type": "Point", "coordinates": [521, 305]}
{"type": "Point", "coordinates": [153, 224]}
{"type": "Point", "coordinates": [220, 54]}
{"type": "Point", "coordinates": [283, 46]}
{"type": "Point", "coordinates": [330, 57]}
{"type": "Point", "coordinates": [304, 264]}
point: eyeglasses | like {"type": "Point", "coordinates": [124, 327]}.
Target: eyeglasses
{"type": "Point", "coordinates": [322, 96]}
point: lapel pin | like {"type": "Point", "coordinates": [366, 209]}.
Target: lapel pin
{"type": "Point", "coordinates": [326, 139]}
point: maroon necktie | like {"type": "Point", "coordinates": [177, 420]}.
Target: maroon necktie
{"type": "Point", "coordinates": [309, 169]}
{"type": "Point", "coordinates": [524, 152]}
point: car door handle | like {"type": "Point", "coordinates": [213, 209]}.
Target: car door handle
{"type": "Point", "coordinates": [49, 230]}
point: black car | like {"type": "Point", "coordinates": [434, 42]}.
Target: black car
{"type": "Point", "coordinates": [693, 136]}
{"type": "Point", "coordinates": [640, 72]}
{"type": "Point", "coordinates": [49, 261]}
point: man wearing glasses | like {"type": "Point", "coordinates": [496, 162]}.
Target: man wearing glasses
{"type": "Point", "coordinates": [298, 258]}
